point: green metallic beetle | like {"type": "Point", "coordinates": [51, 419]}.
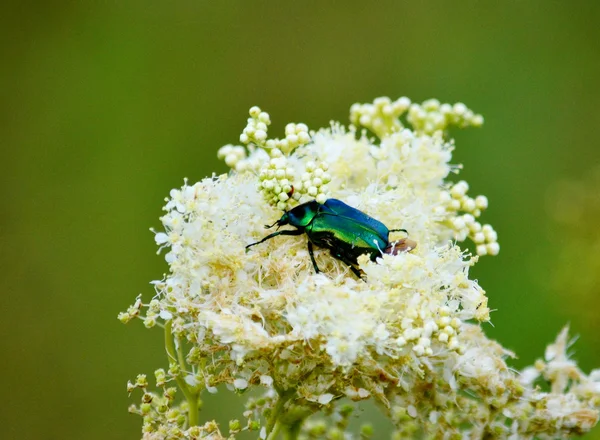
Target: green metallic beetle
{"type": "Point", "coordinates": [345, 231]}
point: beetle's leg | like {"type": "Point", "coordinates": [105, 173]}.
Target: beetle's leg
{"type": "Point", "coordinates": [349, 262]}
{"type": "Point", "coordinates": [357, 272]}
{"type": "Point", "coordinates": [275, 234]}
{"type": "Point", "coordinates": [312, 256]}
{"type": "Point", "coordinates": [400, 230]}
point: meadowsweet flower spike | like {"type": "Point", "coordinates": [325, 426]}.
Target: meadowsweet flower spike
{"type": "Point", "coordinates": [405, 334]}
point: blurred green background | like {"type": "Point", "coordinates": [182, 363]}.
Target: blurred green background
{"type": "Point", "coordinates": [106, 106]}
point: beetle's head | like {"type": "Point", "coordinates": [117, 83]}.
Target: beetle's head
{"type": "Point", "coordinates": [284, 220]}
{"type": "Point", "coordinates": [300, 216]}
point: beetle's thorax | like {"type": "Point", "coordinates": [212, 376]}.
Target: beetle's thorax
{"type": "Point", "coordinates": [300, 216]}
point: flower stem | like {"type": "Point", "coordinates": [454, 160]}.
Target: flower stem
{"type": "Point", "coordinates": [275, 431]}
{"type": "Point", "coordinates": [292, 431]}
{"type": "Point", "coordinates": [175, 356]}
{"type": "Point", "coordinates": [274, 423]}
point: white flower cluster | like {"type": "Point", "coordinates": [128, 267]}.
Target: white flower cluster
{"type": "Point", "coordinates": [270, 158]}
{"type": "Point", "coordinates": [432, 116]}
{"type": "Point", "coordinates": [509, 406]}
{"type": "Point", "coordinates": [295, 136]}
{"type": "Point", "coordinates": [405, 335]}
{"type": "Point", "coordinates": [314, 182]}
{"type": "Point", "coordinates": [276, 182]}
{"type": "Point", "coordinates": [382, 117]}
{"type": "Point", "coordinates": [256, 130]}
{"type": "Point", "coordinates": [466, 225]}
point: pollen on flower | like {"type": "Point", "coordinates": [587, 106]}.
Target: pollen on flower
{"type": "Point", "coordinates": [400, 328]}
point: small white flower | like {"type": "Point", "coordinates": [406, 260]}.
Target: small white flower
{"type": "Point", "coordinates": [240, 384]}
{"type": "Point", "coordinates": [412, 411]}
{"type": "Point", "coordinates": [324, 399]}
{"type": "Point", "coordinates": [191, 380]}
{"type": "Point", "coordinates": [266, 380]}
{"type": "Point", "coordinates": [166, 315]}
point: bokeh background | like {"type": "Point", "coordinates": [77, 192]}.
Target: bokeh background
{"type": "Point", "coordinates": [107, 105]}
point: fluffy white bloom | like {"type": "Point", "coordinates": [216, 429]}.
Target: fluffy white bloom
{"type": "Point", "coordinates": [263, 316]}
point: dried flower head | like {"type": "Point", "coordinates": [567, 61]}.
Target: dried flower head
{"type": "Point", "coordinates": [406, 335]}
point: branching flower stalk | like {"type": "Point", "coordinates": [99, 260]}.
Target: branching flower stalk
{"type": "Point", "coordinates": [405, 335]}
{"type": "Point", "coordinates": [176, 359]}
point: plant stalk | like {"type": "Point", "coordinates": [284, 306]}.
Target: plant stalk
{"type": "Point", "coordinates": [176, 356]}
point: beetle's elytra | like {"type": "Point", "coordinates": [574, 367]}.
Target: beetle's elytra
{"type": "Point", "coordinates": [345, 231]}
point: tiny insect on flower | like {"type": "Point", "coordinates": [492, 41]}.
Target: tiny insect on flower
{"type": "Point", "coordinates": [347, 232]}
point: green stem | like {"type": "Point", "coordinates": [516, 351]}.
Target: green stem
{"type": "Point", "coordinates": [274, 422]}
{"type": "Point", "coordinates": [175, 355]}
{"type": "Point", "coordinates": [276, 413]}
{"type": "Point", "coordinates": [180, 355]}
{"type": "Point", "coordinates": [275, 431]}
{"type": "Point", "coordinates": [292, 431]}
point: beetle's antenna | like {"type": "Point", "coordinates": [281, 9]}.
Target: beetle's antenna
{"type": "Point", "coordinates": [400, 230]}
{"type": "Point", "coordinates": [269, 227]}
